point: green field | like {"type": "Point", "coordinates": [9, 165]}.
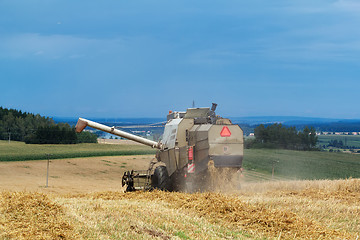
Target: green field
{"type": "Point", "coordinates": [303, 164]}
{"type": "Point", "coordinates": [348, 140]}
{"type": "Point", "coordinates": [19, 151]}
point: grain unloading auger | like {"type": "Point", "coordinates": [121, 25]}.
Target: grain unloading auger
{"type": "Point", "coordinates": [83, 123]}
{"type": "Point", "coordinates": [197, 151]}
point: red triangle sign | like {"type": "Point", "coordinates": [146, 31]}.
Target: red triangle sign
{"type": "Point", "coordinates": [225, 132]}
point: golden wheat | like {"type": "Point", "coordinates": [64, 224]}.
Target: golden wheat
{"type": "Point", "coordinates": [272, 210]}
{"type": "Point", "coordinates": [32, 216]}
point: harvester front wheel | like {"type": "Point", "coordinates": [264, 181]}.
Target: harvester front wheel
{"type": "Point", "coordinates": [160, 179]}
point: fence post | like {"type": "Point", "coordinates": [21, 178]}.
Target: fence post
{"type": "Point", "coordinates": [47, 170]}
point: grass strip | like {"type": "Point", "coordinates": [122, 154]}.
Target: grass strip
{"type": "Point", "coordinates": [12, 158]}
{"type": "Point", "coordinates": [19, 151]}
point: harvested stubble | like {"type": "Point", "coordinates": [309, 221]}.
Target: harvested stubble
{"type": "Point", "coordinates": [231, 212]}
{"type": "Point", "coordinates": [335, 203]}
{"type": "Point", "coordinates": [32, 216]}
{"type": "Point", "coordinates": [343, 190]}
{"type": "Point", "coordinates": [290, 210]}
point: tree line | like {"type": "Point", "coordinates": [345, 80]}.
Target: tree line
{"type": "Point", "coordinates": [35, 129]}
{"type": "Point", "coordinates": [279, 136]}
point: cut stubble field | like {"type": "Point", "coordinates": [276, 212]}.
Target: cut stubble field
{"type": "Point", "coordinates": [85, 200]}
{"type": "Point", "coordinates": [268, 210]}
{"type": "Point", "coordinates": [78, 175]}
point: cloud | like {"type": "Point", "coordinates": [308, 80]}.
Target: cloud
{"type": "Point", "coordinates": [319, 6]}
{"type": "Point", "coordinates": [347, 5]}
{"type": "Point", "coordinates": [30, 45]}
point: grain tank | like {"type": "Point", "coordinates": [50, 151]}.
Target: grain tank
{"type": "Point", "coordinates": [196, 148]}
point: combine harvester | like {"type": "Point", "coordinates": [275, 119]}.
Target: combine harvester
{"type": "Point", "coordinates": [198, 149]}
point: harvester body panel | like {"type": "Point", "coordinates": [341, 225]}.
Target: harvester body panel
{"type": "Point", "coordinates": [170, 133]}
{"type": "Point", "coordinates": [210, 145]}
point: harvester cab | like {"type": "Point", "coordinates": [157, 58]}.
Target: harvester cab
{"type": "Point", "coordinates": [197, 151]}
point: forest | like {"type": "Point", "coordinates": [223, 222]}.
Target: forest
{"type": "Point", "coordinates": [35, 129]}
{"type": "Point", "coordinates": [279, 136]}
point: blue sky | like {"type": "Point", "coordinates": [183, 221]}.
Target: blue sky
{"type": "Point", "coordinates": [117, 58]}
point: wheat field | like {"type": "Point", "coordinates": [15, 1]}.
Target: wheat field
{"type": "Point", "coordinates": [84, 201]}
{"type": "Point", "coordinates": [321, 209]}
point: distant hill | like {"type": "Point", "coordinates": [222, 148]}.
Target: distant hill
{"type": "Point", "coordinates": [321, 124]}
{"type": "Point", "coordinates": [247, 123]}
{"type": "Point", "coordinates": [285, 120]}
{"type": "Point", "coordinates": [113, 121]}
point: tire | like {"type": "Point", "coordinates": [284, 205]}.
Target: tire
{"type": "Point", "coordinates": [160, 179]}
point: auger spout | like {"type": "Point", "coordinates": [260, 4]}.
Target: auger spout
{"type": "Point", "coordinates": [83, 123]}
